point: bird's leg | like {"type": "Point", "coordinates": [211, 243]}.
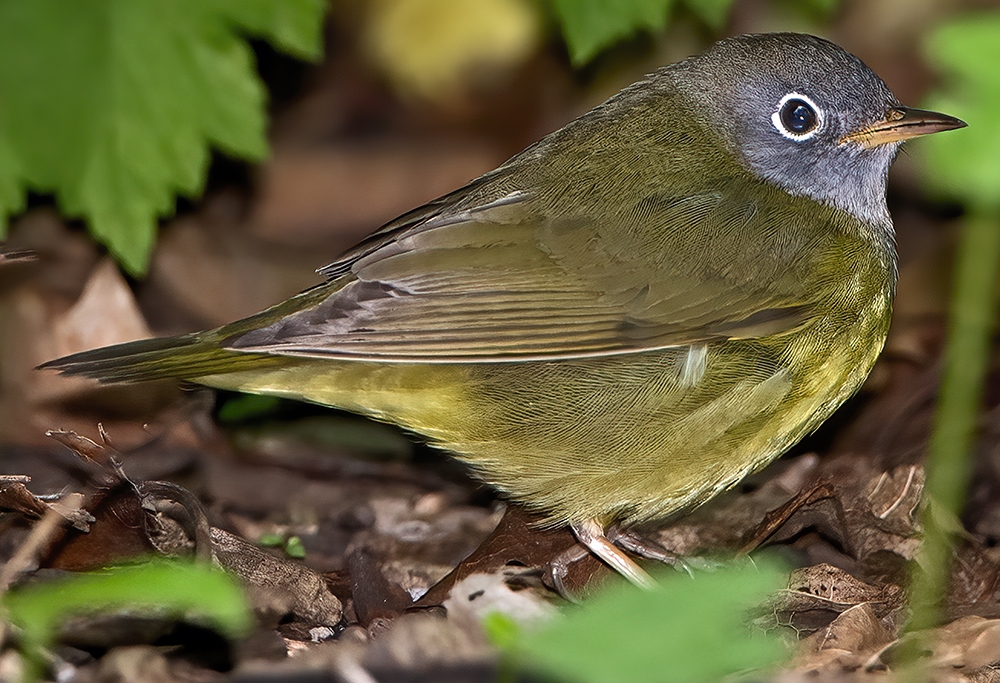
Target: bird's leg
{"type": "Point", "coordinates": [591, 534]}
{"type": "Point", "coordinates": [559, 569]}
{"type": "Point", "coordinates": [628, 539]}
{"type": "Point", "coordinates": [648, 549]}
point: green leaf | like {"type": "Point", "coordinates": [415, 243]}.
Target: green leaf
{"type": "Point", "coordinates": [270, 540]}
{"type": "Point", "coordinates": [686, 630]}
{"type": "Point", "coordinates": [12, 194]}
{"type": "Point", "coordinates": [292, 26]}
{"type": "Point", "coordinates": [502, 630]}
{"type": "Point", "coordinates": [112, 105]}
{"type": "Point", "coordinates": [965, 164]}
{"type": "Point", "coordinates": [822, 8]}
{"type": "Point", "coordinates": [589, 26]}
{"type": "Point", "coordinates": [193, 591]}
{"type": "Point", "coordinates": [294, 547]}
{"type": "Point", "coordinates": [333, 433]}
{"type": "Point", "coordinates": [712, 12]}
{"type": "Point", "coordinates": [247, 407]}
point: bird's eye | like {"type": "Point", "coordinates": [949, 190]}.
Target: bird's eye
{"type": "Point", "coordinates": [797, 117]}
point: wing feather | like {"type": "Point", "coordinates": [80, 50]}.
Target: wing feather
{"type": "Point", "coordinates": [510, 281]}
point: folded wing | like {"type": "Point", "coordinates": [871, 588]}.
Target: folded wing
{"type": "Point", "coordinates": [522, 277]}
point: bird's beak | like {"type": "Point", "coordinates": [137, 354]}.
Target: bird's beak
{"type": "Point", "coordinates": [903, 123]}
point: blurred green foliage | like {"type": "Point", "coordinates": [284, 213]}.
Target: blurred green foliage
{"type": "Point", "coordinates": [966, 166]}
{"type": "Point", "coordinates": [271, 540]}
{"type": "Point", "coordinates": [591, 26]}
{"type": "Point", "coordinates": [292, 545]}
{"type": "Point", "coordinates": [113, 105]}
{"type": "Point", "coordinates": [247, 408]}
{"type": "Point", "coordinates": [963, 166]}
{"type": "Point", "coordinates": [688, 630]}
{"type": "Point", "coordinates": [169, 589]}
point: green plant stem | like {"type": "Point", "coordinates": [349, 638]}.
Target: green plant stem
{"type": "Point", "coordinates": [966, 362]}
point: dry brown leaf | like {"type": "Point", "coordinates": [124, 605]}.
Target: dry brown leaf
{"type": "Point", "coordinates": [834, 586]}
{"type": "Point", "coordinates": [817, 596]}
{"type": "Point", "coordinates": [857, 630]}
{"type": "Point", "coordinates": [15, 497]}
{"type": "Point", "coordinates": [273, 581]}
{"type": "Point", "coordinates": [518, 542]}
{"type": "Point", "coordinates": [968, 643]}
{"type": "Point", "coordinates": [106, 313]}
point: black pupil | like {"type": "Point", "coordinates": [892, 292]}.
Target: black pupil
{"type": "Point", "coordinates": [798, 116]}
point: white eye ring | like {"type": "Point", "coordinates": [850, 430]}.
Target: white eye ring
{"type": "Point", "coordinates": [782, 128]}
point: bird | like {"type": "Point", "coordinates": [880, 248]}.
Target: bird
{"type": "Point", "coordinates": [626, 318]}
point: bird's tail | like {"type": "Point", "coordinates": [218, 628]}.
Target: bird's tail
{"type": "Point", "coordinates": [188, 358]}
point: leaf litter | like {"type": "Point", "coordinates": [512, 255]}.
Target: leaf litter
{"type": "Point", "coordinates": [401, 544]}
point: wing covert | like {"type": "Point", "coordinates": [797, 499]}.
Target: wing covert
{"type": "Point", "coordinates": [521, 278]}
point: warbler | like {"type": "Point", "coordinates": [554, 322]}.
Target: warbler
{"type": "Point", "coordinates": [627, 317]}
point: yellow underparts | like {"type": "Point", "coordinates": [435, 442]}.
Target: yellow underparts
{"type": "Point", "coordinates": [626, 437]}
